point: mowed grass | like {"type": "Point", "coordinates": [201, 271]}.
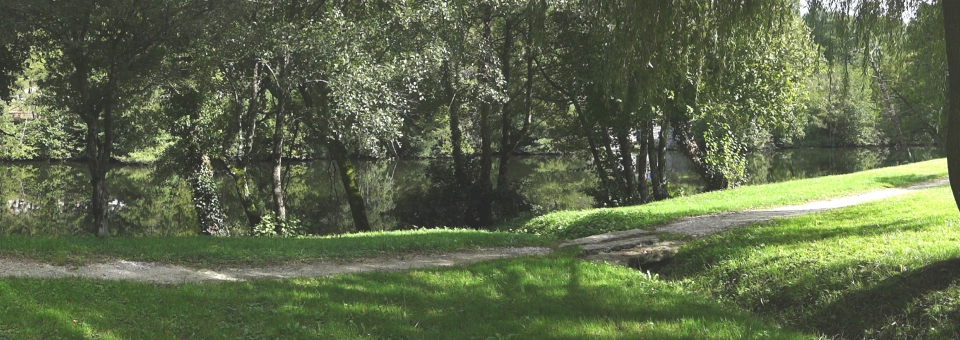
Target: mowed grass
{"type": "Point", "coordinates": [208, 252]}
{"type": "Point", "coordinates": [885, 270]}
{"type": "Point", "coordinates": [548, 297]}
{"type": "Point", "coordinates": [575, 224]}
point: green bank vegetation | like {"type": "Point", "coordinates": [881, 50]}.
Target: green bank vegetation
{"type": "Point", "coordinates": [884, 270]}
{"type": "Point", "coordinates": [574, 224]}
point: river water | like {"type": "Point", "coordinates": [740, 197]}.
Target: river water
{"type": "Point", "coordinates": [51, 198]}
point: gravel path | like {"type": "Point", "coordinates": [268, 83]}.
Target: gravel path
{"type": "Point", "coordinates": [170, 274]}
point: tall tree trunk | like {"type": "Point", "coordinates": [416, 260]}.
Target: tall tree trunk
{"type": "Point", "coordinates": [250, 207]}
{"type": "Point", "coordinates": [652, 151]}
{"type": "Point", "coordinates": [99, 151]}
{"type": "Point", "coordinates": [456, 132]}
{"type": "Point", "coordinates": [594, 150]}
{"type": "Point", "coordinates": [643, 132]}
{"type": "Point", "coordinates": [483, 187]}
{"type": "Point", "coordinates": [658, 174]}
{"type": "Point", "coordinates": [348, 178]}
{"type": "Point", "coordinates": [277, 174]}
{"type": "Point", "coordinates": [245, 138]}
{"type": "Point", "coordinates": [951, 26]}
{"type": "Point", "coordinates": [626, 165]}
{"type": "Point", "coordinates": [98, 201]}
{"type": "Point", "coordinates": [506, 114]}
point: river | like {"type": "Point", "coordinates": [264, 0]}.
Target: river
{"type": "Point", "coordinates": [39, 198]}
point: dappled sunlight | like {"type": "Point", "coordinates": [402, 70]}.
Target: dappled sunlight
{"type": "Point", "coordinates": [559, 297]}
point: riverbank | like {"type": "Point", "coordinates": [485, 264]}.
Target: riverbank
{"type": "Point", "coordinates": [879, 270]}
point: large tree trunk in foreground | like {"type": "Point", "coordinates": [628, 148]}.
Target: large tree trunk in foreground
{"type": "Point", "coordinates": [348, 178]}
{"type": "Point", "coordinates": [951, 25]}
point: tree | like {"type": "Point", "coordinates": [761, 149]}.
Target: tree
{"type": "Point", "coordinates": [951, 27]}
{"type": "Point", "coordinates": [869, 16]}
{"type": "Point", "coordinates": [100, 55]}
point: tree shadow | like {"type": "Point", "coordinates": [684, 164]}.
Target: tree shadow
{"type": "Point", "coordinates": [906, 180]}
{"type": "Point", "coordinates": [742, 242]}
{"type": "Point", "coordinates": [885, 303]}
{"type": "Point", "coordinates": [543, 297]}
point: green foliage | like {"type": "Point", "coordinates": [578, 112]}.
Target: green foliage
{"type": "Point", "coordinates": [271, 226]}
{"type": "Point", "coordinates": [841, 112]}
{"type": "Point", "coordinates": [884, 270]}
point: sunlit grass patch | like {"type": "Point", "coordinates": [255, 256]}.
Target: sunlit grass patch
{"type": "Point", "coordinates": [574, 224]}
{"type": "Point", "coordinates": [547, 297]}
{"type": "Point", "coordinates": [201, 251]}
{"type": "Point", "coordinates": [889, 269]}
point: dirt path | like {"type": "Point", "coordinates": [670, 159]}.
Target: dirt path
{"type": "Point", "coordinates": [633, 248]}
{"type": "Point", "coordinates": [638, 248]}
{"type": "Point", "coordinates": [170, 274]}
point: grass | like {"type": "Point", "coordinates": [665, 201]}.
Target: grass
{"type": "Point", "coordinates": [207, 252]}
{"type": "Point", "coordinates": [547, 297]}
{"type": "Point", "coordinates": [575, 224]}
{"type": "Point", "coordinates": [885, 270]}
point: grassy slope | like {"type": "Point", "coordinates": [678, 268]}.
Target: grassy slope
{"type": "Point", "coordinates": [555, 297]}
{"type": "Point", "coordinates": [886, 270]}
{"type": "Point", "coordinates": [209, 252]}
{"type": "Point", "coordinates": [574, 224]}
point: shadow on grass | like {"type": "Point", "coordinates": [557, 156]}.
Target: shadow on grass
{"type": "Point", "coordinates": [886, 305]}
{"type": "Point", "coordinates": [741, 243]}
{"type": "Point", "coordinates": [907, 180]}
{"type": "Point", "coordinates": [555, 298]}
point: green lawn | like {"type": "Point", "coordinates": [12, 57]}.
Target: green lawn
{"type": "Point", "coordinates": [883, 270]}
{"type": "Point", "coordinates": [547, 297]}
{"type": "Point", "coordinates": [886, 270]}
{"type": "Point", "coordinates": [207, 252]}
{"type": "Point", "coordinates": [575, 224]}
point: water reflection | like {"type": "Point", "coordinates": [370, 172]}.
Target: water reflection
{"type": "Point", "coordinates": [52, 198]}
